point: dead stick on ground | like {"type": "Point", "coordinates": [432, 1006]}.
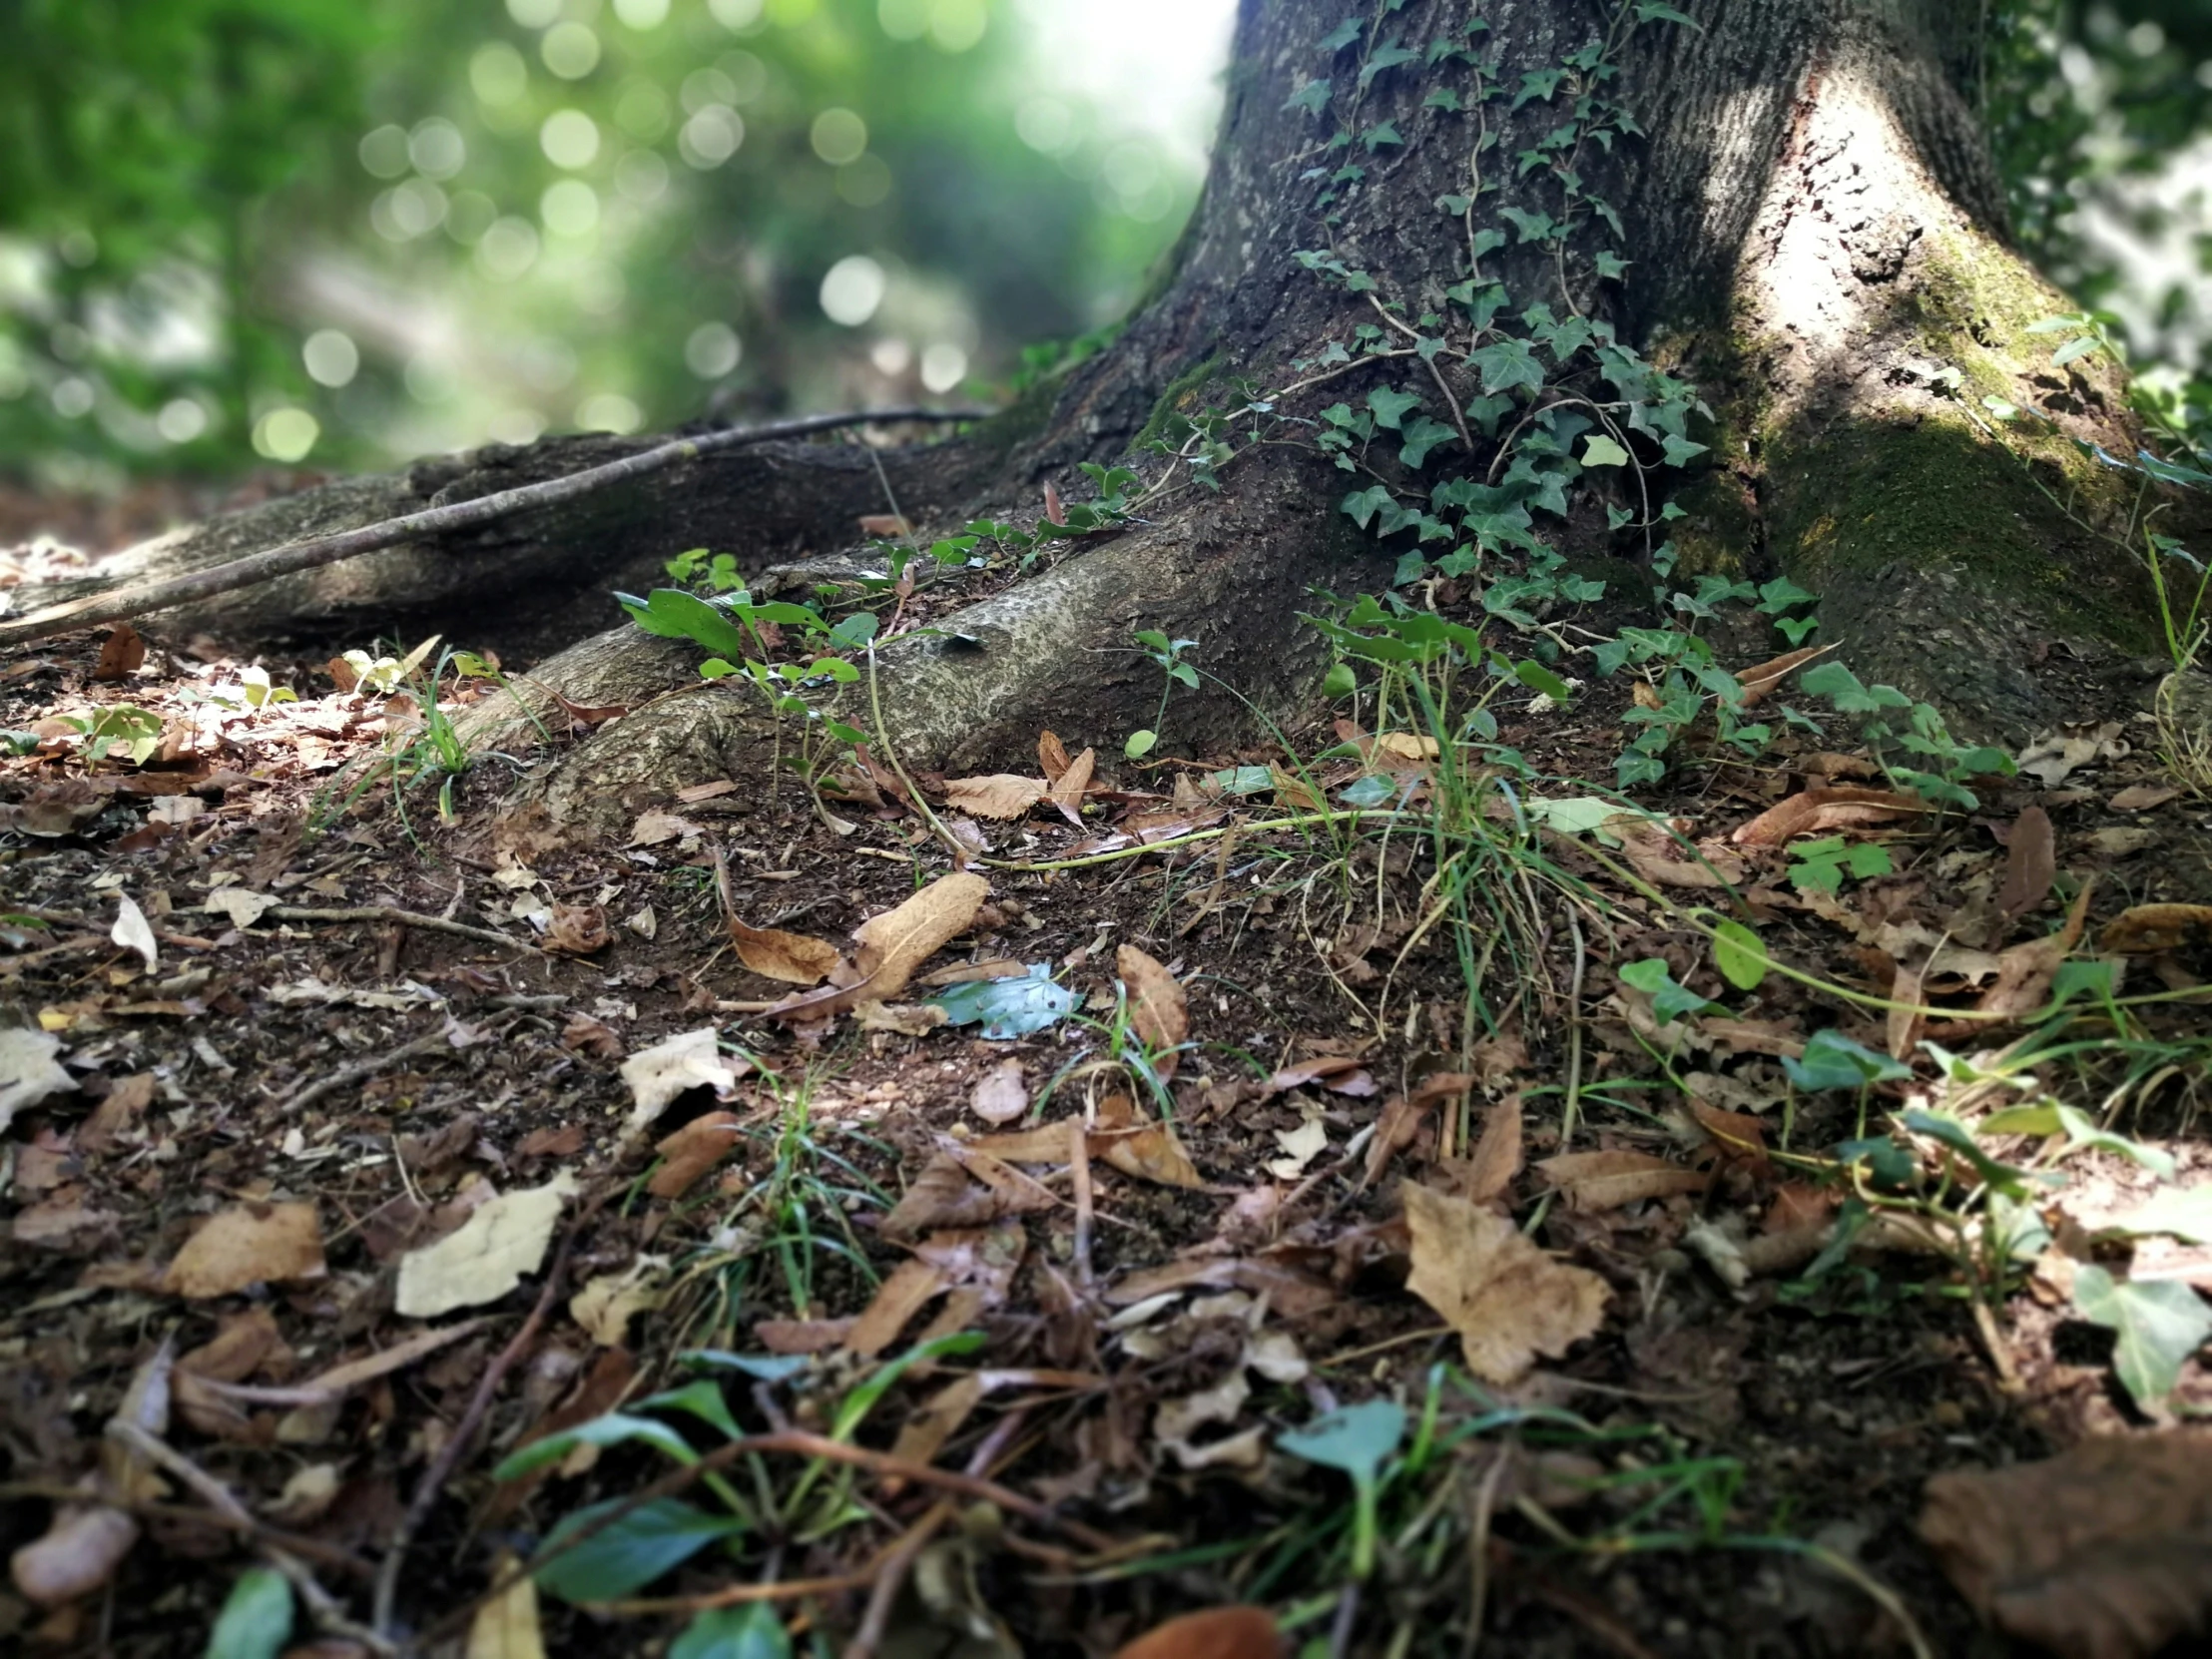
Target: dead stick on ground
{"type": "Point", "coordinates": [449, 1455]}
{"type": "Point", "coordinates": [405, 918]}
{"type": "Point", "coordinates": [316, 551]}
{"type": "Point", "coordinates": [890, 1578]}
{"type": "Point", "coordinates": [362, 1071]}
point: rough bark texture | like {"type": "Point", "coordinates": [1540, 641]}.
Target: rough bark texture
{"type": "Point", "coordinates": [1817, 238]}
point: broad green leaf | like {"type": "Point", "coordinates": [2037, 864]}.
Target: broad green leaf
{"type": "Point", "coordinates": [1391, 405]}
{"type": "Point", "coordinates": [747, 1632]}
{"type": "Point", "coordinates": [630, 1554]}
{"type": "Point", "coordinates": [1339, 680]}
{"type": "Point", "coordinates": [1669, 1000]}
{"type": "Point", "coordinates": [702, 1400]}
{"type": "Point", "coordinates": [2183, 1212]}
{"type": "Point", "coordinates": [852, 1411]}
{"type": "Point", "coordinates": [764, 1367]}
{"type": "Point", "coordinates": [2009, 1179]}
{"type": "Point", "coordinates": [1740, 954]}
{"type": "Point", "coordinates": [1538, 678]}
{"type": "Point", "coordinates": [1009, 1008]}
{"type": "Point", "coordinates": [1140, 743]}
{"type": "Point", "coordinates": [1833, 1061]}
{"type": "Point", "coordinates": [255, 1621]}
{"type": "Point", "coordinates": [2159, 1322]}
{"type": "Point", "coordinates": [1600, 450]}
{"type": "Point", "coordinates": [613, 1429]}
{"type": "Point", "coordinates": [1355, 1438]}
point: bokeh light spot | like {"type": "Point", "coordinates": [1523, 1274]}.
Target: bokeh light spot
{"type": "Point", "coordinates": [851, 290]}
{"type": "Point", "coordinates": [570, 50]}
{"type": "Point", "coordinates": [839, 136]}
{"type": "Point", "coordinates": [570, 138]}
{"type": "Point", "coordinates": [285, 435]}
{"type": "Point", "coordinates": [331, 357]}
{"type": "Point", "coordinates": [712, 350]}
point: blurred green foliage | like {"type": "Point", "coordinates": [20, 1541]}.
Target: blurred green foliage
{"type": "Point", "coordinates": [352, 231]}
{"type": "Point", "coordinates": [358, 230]}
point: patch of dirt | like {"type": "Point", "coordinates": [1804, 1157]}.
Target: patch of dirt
{"type": "Point", "coordinates": [399, 1015]}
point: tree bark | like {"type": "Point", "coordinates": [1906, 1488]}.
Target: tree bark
{"type": "Point", "coordinates": [1815, 239]}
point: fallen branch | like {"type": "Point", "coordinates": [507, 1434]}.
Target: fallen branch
{"type": "Point", "coordinates": [314, 551]}
{"type": "Point", "coordinates": [405, 918]}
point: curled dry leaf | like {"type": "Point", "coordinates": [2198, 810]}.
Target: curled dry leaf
{"type": "Point", "coordinates": [121, 654]}
{"type": "Point", "coordinates": [1136, 1146]}
{"type": "Point", "coordinates": [1159, 1012]}
{"type": "Point", "coordinates": [29, 1073]}
{"type": "Point", "coordinates": [691, 1152]}
{"type": "Point", "coordinates": [1835, 807]}
{"type": "Point", "coordinates": [1001, 794]}
{"type": "Point", "coordinates": [604, 1306]}
{"type": "Point", "coordinates": [793, 958]}
{"type": "Point", "coordinates": [582, 1034]}
{"type": "Point", "coordinates": [1764, 680]}
{"type": "Point", "coordinates": [1609, 1180]}
{"type": "Point", "coordinates": [1052, 757]}
{"type": "Point", "coordinates": [1002, 1095]}
{"type": "Point", "coordinates": [952, 1192]}
{"type": "Point", "coordinates": [903, 1019]}
{"type": "Point", "coordinates": [655, 829]}
{"type": "Point", "coordinates": [1660, 858]}
{"type": "Point", "coordinates": [2141, 797]}
{"type": "Point", "coordinates": [2025, 971]}
{"type": "Point", "coordinates": [134, 933]}
{"type": "Point", "coordinates": [657, 1075]}
{"type": "Point", "coordinates": [2102, 1552]}
{"type": "Point", "coordinates": [1068, 788]}
{"type": "Point", "coordinates": [247, 1243]}
{"type": "Point", "coordinates": [1217, 1633]}
{"type": "Point", "coordinates": [2152, 929]}
{"type": "Point", "coordinates": [892, 945]}
{"type": "Point", "coordinates": [577, 930]}
{"type": "Point", "coordinates": [904, 1292]}
{"type": "Point", "coordinates": [1508, 1301]}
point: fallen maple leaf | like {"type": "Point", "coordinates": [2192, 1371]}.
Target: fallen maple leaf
{"type": "Point", "coordinates": [1159, 1012]}
{"type": "Point", "coordinates": [1508, 1301]}
{"type": "Point", "coordinates": [247, 1243]}
{"type": "Point", "coordinates": [2102, 1552]}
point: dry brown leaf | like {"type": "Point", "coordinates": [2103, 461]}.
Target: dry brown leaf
{"type": "Point", "coordinates": [1740, 1137]}
{"type": "Point", "coordinates": [121, 654]}
{"type": "Point", "coordinates": [507, 1627]}
{"type": "Point", "coordinates": [247, 1243]}
{"type": "Point", "coordinates": [1497, 1158]}
{"type": "Point", "coordinates": [1607, 1180]}
{"type": "Point", "coordinates": [1136, 1146]}
{"type": "Point", "coordinates": [2030, 864]}
{"type": "Point", "coordinates": [1394, 750]}
{"type": "Point", "coordinates": [604, 1307]}
{"type": "Point", "coordinates": [1754, 1036]}
{"type": "Point", "coordinates": [1904, 1020]}
{"type": "Point", "coordinates": [1001, 794]}
{"type": "Point", "coordinates": [1508, 1301]}
{"type": "Point", "coordinates": [2150, 929]}
{"type": "Point", "coordinates": [946, 1194]}
{"type": "Point", "coordinates": [800, 1336]}
{"type": "Point", "coordinates": [903, 1294]}
{"type": "Point", "coordinates": [892, 945]}
{"type": "Point", "coordinates": [1159, 1012]}
{"type": "Point", "coordinates": [1833, 806]}
{"type": "Point", "coordinates": [1659, 858]}
{"type": "Point", "coordinates": [2141, 797]}
{"type": "Point", "coordinates": [2102, 1552]}
{"type": "Point", "coordinates": [1291, 790]}
{"type": "Point", "coordinates": [791, 958]}
{"type": "Point", "coordinates": [900, 1019]}
{"type": "Point", "coordinates": [577, 930]}
{"type": "Point", "coordinates": [1216, 1633]}
{"type": "Point", "coordinates": [582, 1034]}
{"type": "Point", "coordinates": [78, 1553]}
{"type": "Point", "coordinates": [1000, 967]}
{"type": "Point", "coordinates": [1052, 757]}
{"type": "Point", "coordinates": [1047, 1143]}
{"type": "Point", "coordinates": [923, 1434]}
{"type": "Point", "coordinates": [1001, 1096]}
{"type": "Point", "coordinates": [691, 1152]}
{"type": "Point", "coordinates": [1766, 678]}
{"type": "Point", "coordinates": [1068, 788]}
{"type": "Point", "coordinates": [1311, 1071]}
{"type": "Point", "coordinates": [2025, 971]}
{"type": "Point", "coordinates": [655, 829]}
{"type": "Point", "coordinates": [486, 1257]}
{"type": "Point", "coordinates": [889, 526]}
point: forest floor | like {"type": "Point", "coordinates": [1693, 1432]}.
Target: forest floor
{"type": "Point", "coordinates": [1152, 1186]}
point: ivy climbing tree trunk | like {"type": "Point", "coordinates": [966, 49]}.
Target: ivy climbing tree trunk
{"type": "Point", "coordinates": [1722, 289]}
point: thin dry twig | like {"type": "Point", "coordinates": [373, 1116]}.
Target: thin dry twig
{"type": "Point", "coordinates": [406, 919]}
{"type": "Point", "coordinates": [362, 1071]}
{"type": "Point", "coordinates": [890, 1578]}
{"type": "Point", "coordinates": [314, 551]}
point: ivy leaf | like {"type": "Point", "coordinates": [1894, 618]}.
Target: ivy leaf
{"type": "Point", "coordinates": [1599, 450]}
{"type": "Point", "coordinates": [1669, 1000]}
{"type": "Point", "coordinates": [1653, 11]}
{"type": "Point", "coordinates": [2160, 1323]}
{"type": "Point", "coordinates": [1423, 436]}
{"type": "Point", "coordinates": [1312, 97]}
{"type": "Point", "coordinates": [1680, 450]}
{"type": "Point", "coordinates": [1610, 266]}
{"type": "Point", "coordinates": [1390, 405]}
{"type": "Point", "coordinates": [1381, 134]}
{"type": "Point", "coordinates": [1506, 363]}
{"type": "Point", "coordinates": [1532, 227]}
{"type": "Point", "coordinates": [1538, 82]}
{"type": "Point", "coordinates": [1385, 57]}
{"type": "Point", "coordinates": [1442, 98]}
{"type": "Point", "coordinates": [1362, 505]}
{"type": "Point", "coordinates": [1342, 36]}
{"type": "Point", "coordinates": [1833, 1061]}
{"type": "Point", "coordinates": [1453, 205]}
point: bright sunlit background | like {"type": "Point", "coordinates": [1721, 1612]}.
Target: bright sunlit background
{"type": "Point", "coordinates": [361, 231]}
{"type": "Point", "coordinates": [344, 233]}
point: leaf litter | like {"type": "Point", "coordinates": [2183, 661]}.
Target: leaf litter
{"type": "Point", "coordinates": [1025, 1178]}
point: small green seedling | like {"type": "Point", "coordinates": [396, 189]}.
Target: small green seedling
{"type": "Point", "coordinates": [1358, 1440]}
{"type": "Point", "coordinates": [1169, 655]}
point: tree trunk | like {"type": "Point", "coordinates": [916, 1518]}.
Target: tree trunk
{"type": "Point", "coordinates": [1813, 237]}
